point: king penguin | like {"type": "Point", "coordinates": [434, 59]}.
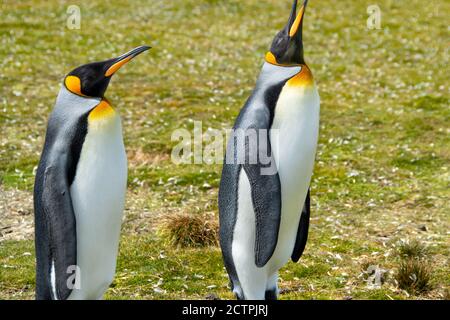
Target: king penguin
{"type": "Point", "coordinates": [264, 214]}
{"type": "Point", "coordinates": [80, 186]}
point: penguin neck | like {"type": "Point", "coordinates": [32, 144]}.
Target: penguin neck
{"type": "Point", "coordinates": [69, 102]}
{"type": "Point", "coordinates": [102, 111]}
{"type": "Point", "coordinates": [302, 79]}
{"type": "Point", "coordinates": [103, 118]}
{"type": "Point", "coordinates": [272, 74]}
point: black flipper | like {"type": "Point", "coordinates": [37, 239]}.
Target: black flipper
{"type": "Point", "coordinates": [266, 198]}
{"type": "Point", "coordinates": [61, 227]}
{"type": "Point", "coordinates": [302, 233]}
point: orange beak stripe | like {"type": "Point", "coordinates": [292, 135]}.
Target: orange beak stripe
{"type": "Point", "coordinates": [116, 66]}
{"type": "Point", "coordinates": [297, 22]}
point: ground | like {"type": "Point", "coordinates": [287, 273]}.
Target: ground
{"type": "Point", "coordinates": [382, 171]}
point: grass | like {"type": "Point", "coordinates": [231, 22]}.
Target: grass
{"type": "Point", "coordinates": [412, 249]}
{"type": "Point", "coordinates": [382, 168]}
{"type": "Point", "coordinates": [414, 276]}
{"type": "Point", "coordinates": [414, 272]}
{"type": "Point", "coordinates": [186, 230]}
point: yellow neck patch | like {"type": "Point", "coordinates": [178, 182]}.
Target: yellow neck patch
{"type": "Point", "coordinates": [102, 111]}
{"type": "Point", "coordinates": [303, 78]}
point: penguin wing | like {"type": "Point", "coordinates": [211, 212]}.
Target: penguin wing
{"type": "Point", "coordinates": [266, 194]}
{"type": "Point", "coordinates": [266, 198]}
{"type": "Point", "coordinates": [60, 219]}
{"type": "Point", "coordinates": [302, 233]}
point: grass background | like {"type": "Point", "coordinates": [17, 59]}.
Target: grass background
{"type": "Point", "coordinates": [381, 174]}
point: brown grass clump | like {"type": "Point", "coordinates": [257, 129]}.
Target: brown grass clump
{"type": "Point", "coordinates": [414, 276]}
{"type": "Point", "coordinates": [190, 230]}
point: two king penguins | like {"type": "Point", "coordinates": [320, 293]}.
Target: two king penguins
{"type": "Point", "coordinates": [80, 183]}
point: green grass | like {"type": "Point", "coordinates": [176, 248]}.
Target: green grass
{"type": "Point", "coordinates": [382, 163]}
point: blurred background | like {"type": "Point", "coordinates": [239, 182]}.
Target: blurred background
{"type": "Point", "coordinates": [380, 210]}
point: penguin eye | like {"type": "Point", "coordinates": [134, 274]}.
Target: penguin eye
{"type": "Point", "coordinates": [73, 84]}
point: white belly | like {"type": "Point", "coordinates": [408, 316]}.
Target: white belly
{"type": "Point", "coordinates": [98, 196]}
{"type": "Point", "coordinates": [293, 137]}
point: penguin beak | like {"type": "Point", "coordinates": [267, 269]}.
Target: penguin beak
{"type": "Point", "coordinates": [117, 63]}
{"type": "Point", "coordinates": [295, 23]}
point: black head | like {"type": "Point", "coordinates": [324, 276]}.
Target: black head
{"type": "Point", "coordinates": [287, 46]}
{"type": "Point", "coordinates": [92, 79]}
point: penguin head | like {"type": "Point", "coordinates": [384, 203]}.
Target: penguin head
{"type": "Point", "coordinates": [287, 46]}
{"type": "Point", "coordinates": [92, 79]}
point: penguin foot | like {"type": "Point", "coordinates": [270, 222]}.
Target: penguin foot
{"type": "Point", "coordinates": [271, 295]}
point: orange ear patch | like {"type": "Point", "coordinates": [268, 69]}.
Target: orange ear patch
{"type": "Point", "coordinates": [101, 111]}
{"type": "Point", "coordinates": [73, 83]}
{"type": "Point", "coordinates": [270, 58]}
{"type": "Point", "coordinates": [303, 78]}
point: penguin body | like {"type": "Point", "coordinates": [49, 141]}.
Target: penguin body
{"type": "Point", "coordinates": [80, 187]}
{"type": "Point", "coordinates": [264, 218]}
{"type": "Point", "coordinates": [98, 196]}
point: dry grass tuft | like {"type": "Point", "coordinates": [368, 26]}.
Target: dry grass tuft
{"type": "Point", "coordinates": [412, 249]}
{"type": "Point", "coordinates": [414, 276]}
{"type": "Point", "coordinates": [187, 230]}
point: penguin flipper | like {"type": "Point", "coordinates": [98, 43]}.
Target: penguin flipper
{"type": "Point", "coordinates": [60, 219]}
{"type": "Point", "coordinates": [302, 233]}
{"type": "Point", "coordinates": [266, 197]}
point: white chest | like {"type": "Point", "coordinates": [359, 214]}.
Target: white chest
{"type": "Point", "coordinates": [295, 128]}
{"type": "Point", "coordinates": [98, 196]}
{"type": "Point", "coordinates": [101, 175]}
{"type": "Point", "coordinates": [293, 137]}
